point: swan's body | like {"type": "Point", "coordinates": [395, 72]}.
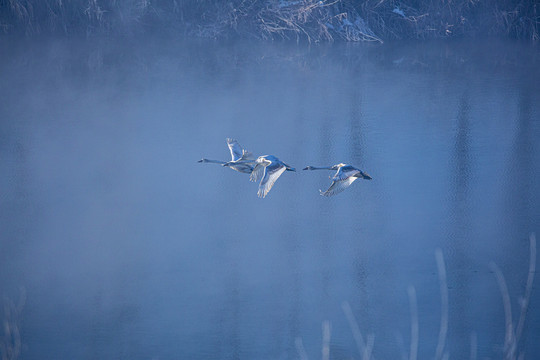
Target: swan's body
{"type": "Point", "coordinates": [238, 161]}
{"type": "Point", "coordinates": [342, 179]}
{"type": "Point", "coordinates": [268, 169]}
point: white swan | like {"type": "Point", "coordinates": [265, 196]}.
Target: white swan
{"type": "Point", "coordinates": [239, 156]}
{"type": "Point", "coordinates": [268, 169]}
{"type": "Point", "coordinates": [342, 179]}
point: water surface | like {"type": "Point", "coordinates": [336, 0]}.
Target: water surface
{"type": "Point", "coordinates": [128, 248]}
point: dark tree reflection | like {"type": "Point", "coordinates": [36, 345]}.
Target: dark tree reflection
{"type": "Point", "coordinates": [460, 228]}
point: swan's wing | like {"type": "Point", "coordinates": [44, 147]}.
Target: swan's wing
{"type": "Point", "coordinates": [344, 173]}
{"type": "Point", "coordinates": [257, 173]}
{"type": "Point", "coordinates": [338, 186]}
{"type": "Point", "coordinates": [242, 167]}
{"type": "Point", "coordinates": [246, 155]}
{"type": "Point", "coordinates": [235, 148]}
{"type": "Point", "coordinates": [271, 173]}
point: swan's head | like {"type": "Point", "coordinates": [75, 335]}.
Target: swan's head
{"type": "Point", "coordinates": [308, 168]}
{"type": "Point", "coordinates": [202, 160]}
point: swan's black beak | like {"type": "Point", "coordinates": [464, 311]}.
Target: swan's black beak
{"type": "Point", "coordinates": [307, 168]}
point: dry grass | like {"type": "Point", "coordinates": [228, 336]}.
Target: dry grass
{"type": "Point", "coordinates": [10, 341]}
{"type": "Point", "coordinates": [299, 20]}
{"type": "Point", "coordinates": [512, 349]}
{"type": "Point", "coordinates": [514, 331]}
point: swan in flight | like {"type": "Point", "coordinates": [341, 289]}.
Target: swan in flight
{"type": "Point", "coordinates": [268, 169]}
{"type": "Point", "coordinates": [239, 157]}
{"type": "Point", "coordinates": [342, 179]}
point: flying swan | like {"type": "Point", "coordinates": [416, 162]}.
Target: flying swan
{"type": "Point", "coordinates": [268, 169]}
{"type": "Point", "coordinates": [342, 179]}
{"type": "Point", "coordinates": [239, 157]}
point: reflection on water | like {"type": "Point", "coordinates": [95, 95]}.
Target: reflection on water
{"type": "Point", "coordinates": [128, 248]}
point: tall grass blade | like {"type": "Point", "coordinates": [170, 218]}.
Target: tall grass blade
{"type": "Point", "coordinates": [326, 340]}
{"type": "Point", "coordinates": [414, 323]}
{"type": "Point", "coordinates": [444, 304]}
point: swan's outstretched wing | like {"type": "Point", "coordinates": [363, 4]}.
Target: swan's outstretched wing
{"type": "Point", "coordinates": [257, 173]}
{"type": "Point", "coordinates": [345, 172]}
{"type": "Point", "coordinates": [242, 167]}
{"type": "Point", "coordinates": [271, 173]}
{"type": "Point", "coordinates": [236, 150]}
{"type": "Point", "coordinates": [338, 186]}
{"type": "Point", "coordinates": [246, 155]}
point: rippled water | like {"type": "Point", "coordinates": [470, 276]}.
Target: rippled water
{"type": "Point", "coordinates": [125, 247]}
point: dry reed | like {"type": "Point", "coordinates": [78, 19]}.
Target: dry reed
{"type": "Point", "coordinates": [513, 332]}
{"type": "Point", "coordinates": [299, 20]}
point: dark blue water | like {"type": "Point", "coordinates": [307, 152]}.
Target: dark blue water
{"type": "Point", "coordinates": [124, 247]}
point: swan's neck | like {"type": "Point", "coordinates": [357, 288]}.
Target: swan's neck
{"type": "Point", "coordinates": [212, 161]}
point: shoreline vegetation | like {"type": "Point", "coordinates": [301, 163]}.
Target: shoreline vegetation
{"type": "Point", "coordinates": [512, 349]}
{"type": "Point", "coordinates": [296, 20]}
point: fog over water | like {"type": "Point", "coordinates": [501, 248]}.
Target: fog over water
{"type": "Point", "coordinates": [125, 247]}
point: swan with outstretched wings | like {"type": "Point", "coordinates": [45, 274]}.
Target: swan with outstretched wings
{"type": "Point", "coordinates": [342, 179]}
{"type": "Point", "coordinates": [239, 158]}
{"type": "Point", "coordinates": [267, 170]}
